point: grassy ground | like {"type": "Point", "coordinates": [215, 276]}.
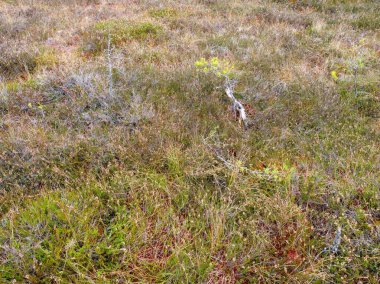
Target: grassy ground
{"type": "Point", "coordinates": [126, 165]}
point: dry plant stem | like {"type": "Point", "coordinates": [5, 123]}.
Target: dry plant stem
{"type": "Point", "coordinates": [110, 66]}
{"type": "Point", "coordinates": [237, 106]}
{"type": "Point", "coordinates": [355, 82]}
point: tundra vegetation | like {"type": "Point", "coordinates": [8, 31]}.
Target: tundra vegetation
{"type": "Point", "coordinates": [121, 161]}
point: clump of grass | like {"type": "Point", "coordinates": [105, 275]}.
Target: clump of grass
{"type": "Point", "coordinates": [90, 225]}
{"type": "Point", "coordinates": [13, 86]}
{"type": "Point", "coordinates": [370, 21]}
{"type": "Point", "coordinates": [23, 60]}
{"type": "Point", "coordinates": [120, 32]}
{"type": "Point", "coordinates": [14, 62]}
{"type": "Point", "coordinates": [142, 31]}
{"type": "Point", "coordinates": [47, 57]}
{"type": "Point", "coordinates": [163, 13]}
{"type": "Point", "coordinates": [368, 104]}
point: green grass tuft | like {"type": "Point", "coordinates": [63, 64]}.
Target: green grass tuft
{"type": "Point", "coordinates": [120, 32]}
{"type": "Point", "coordinates": [164, 13]}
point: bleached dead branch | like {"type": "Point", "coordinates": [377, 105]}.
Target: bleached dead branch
{"type": "Point", "coordinates": [237, 107]}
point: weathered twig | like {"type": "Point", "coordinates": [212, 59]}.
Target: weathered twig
{"type": "Point", "coordinates": [237, 106]}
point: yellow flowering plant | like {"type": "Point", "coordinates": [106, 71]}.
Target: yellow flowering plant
{"type": "Point", "coordinates": [221, 68]}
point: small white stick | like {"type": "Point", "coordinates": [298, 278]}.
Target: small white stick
{"type": "Point", "coordinates": [236, 105]}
